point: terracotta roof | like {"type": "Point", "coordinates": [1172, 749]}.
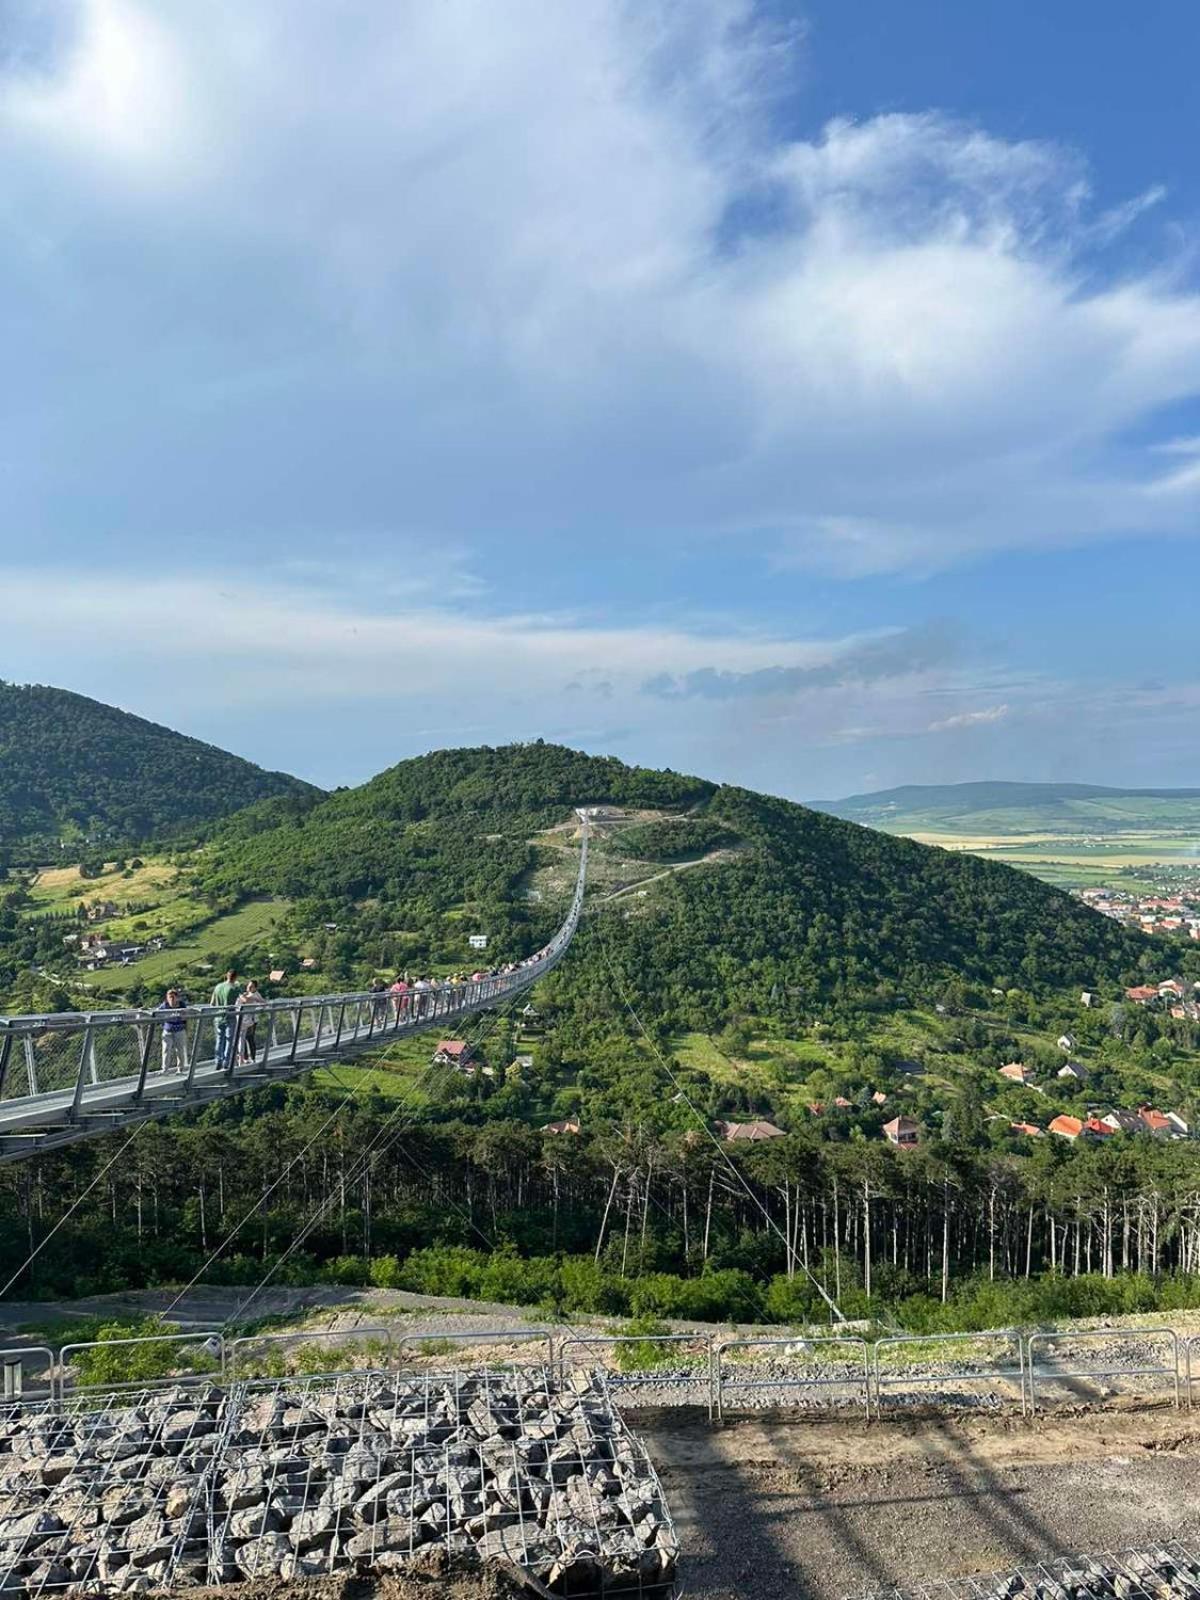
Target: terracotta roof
{"type": "Point", "coordinates": [1030, 1128]}
{"type": "Point", "coordinates": [570, 1125]}
{"type": "Point", "coordinates": [1067, 1127]}
{"type": "Point", "coordinates": [1154, 1120]}
{"type": "Point", "coordinates": [453, 1047]}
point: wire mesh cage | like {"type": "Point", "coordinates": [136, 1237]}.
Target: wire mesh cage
{"type": "Point", "coordinates": [1169, 1571]}
{"type": "Point", "coordinates": [363, 1471]}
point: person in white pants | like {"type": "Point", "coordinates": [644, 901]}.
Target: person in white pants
{"type": "Point", "coordinates": [174, 1033]}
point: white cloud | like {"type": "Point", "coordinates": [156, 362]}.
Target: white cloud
{"type": "Point", "coordinates": [529, 271]}
{"type": "Point", "coordinates": [969, 719]}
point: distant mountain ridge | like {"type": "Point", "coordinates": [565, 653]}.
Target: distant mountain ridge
{"type": "Point", "coordinates": [1015, 807]}
{"type": "Point", "coordinates": [74, 768]}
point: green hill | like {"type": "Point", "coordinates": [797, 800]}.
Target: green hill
{"type": "Point", "coordinates": [74, 769]}
{"type": "Point", "coordinates": [793, 902]}
{"type": "Point", "coordinates": [975, 809]}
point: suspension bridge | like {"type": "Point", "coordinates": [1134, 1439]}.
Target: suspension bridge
{"type": "Point", "coordinates": [78, 1075]}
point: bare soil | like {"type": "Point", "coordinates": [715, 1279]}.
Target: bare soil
{"type": "Point", "coordinates": [815, 1510]}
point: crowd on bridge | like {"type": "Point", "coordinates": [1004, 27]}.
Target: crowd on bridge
{"type": "Point", "coordinates": [406, 999]}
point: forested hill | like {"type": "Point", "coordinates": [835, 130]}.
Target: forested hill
{"type": "Point", "coordinates": [73, 768]}
{"type": "Point", "coordinates": [1016, 808]}
{"type": "Point", "coordinates": [817, 915]}
{"type": "Point", "coordinates": [796, 911]}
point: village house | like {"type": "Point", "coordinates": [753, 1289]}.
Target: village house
{"type": "Point", "coordinates": [1178, 1123]}
{"type": "Point", "coordinates": [1098, 1127]}
{"type": "Point", "coordinates": [730, 1131]}
{"type": "Point", "coordinates": [1155, 1122]}
{"type": "Point", "coordinates": [879, 1098]}
{"type": "Point", "coordinates": [1066, 1042]}
{"type": "Point", "coordinates": [903, 1132]}
{"type": "Point", "coordinates": [1072, 1070]}
{"type": "Point", "coordinates": [1016, 1072]}
{"type": "Point", "coordinates": [1067, 1127]}
{"type": "Point", "coordinates": [452, 1053]}
{"type": "Point", "coordinates": [1124, 1122]}
{"type": "Point", "coordinates": [1030, 1129]}
{"type": "Point", "coordinates": [568, 1125]}
{"type": "Point", "coordinates": [1142, 994]}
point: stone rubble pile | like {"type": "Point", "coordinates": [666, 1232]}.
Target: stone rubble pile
{"type": "Point", "coordinates": [311, 1476]}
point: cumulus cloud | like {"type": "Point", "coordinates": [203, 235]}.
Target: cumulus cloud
{"type": "Point", "coordinates": [970, 719]}
{"type": "Point", "coordinates": [493, 273]}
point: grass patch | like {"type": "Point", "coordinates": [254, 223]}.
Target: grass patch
{"type": "Point", "coordinates": [211, 940]}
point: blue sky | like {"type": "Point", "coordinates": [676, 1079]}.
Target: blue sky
{"type": "Point", "coordinates": [802, 395]}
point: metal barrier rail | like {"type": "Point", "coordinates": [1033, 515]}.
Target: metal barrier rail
{"type": "Point", "coordinates": [73, 1075]}
{"type": "Point", "coordinates": [482, 1336]}
{"type": "Point", "coordinates": [210, 1342]}
{"type": "Point", "coordinates": [227, 1356]}
{"type": "Point", "coordinates": [721, 1383]}
{"type": "Point", "coordinates": [632, 1380]}
{"type": "Point", "coordinates": [1188, 1342]}
{"type": "Point", "coordinates": [317, 1337]}
{"type": "Point", "coordinates": [12, 1365]}
{"type": "Point", "coordinates": [1011, 1336]}
{"type": "Point", "coordinates": [1062, 1376]}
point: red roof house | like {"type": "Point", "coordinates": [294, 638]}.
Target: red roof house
{"type": "Point", "coordinates": [1066, 1127]}
{"type": "Point", "coordinates": [452, 1052]}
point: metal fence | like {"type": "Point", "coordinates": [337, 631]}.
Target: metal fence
{"type": "Point", "coordinates": [27, 1374]}
{"type": "Point", "coordinates": [995, 1375]}
{"type": "Point", "coordinates": [194, 1357]}
{"type": "Point", "coordinates": [67, 1076]}
{"type": "Point", "coordinates": [648, 1368]}
{"type": "Point", "coordinates": [430, 1345]}
{"type": "Point", "coordinates": [802, 1380]}
{"type": "Point", "coordinates": [1073, 1373]}
{"type": "Point", "coordinates": [796, 1368]}
{"type": "Point", "coordinates": [248, 1356]}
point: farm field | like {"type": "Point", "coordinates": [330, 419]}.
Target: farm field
{"type": "Point", "coordinates": [207, 938]}
{"type": "Point", "coordinates": [61, 888]}
{"type": "Point", "coordinates": [1078, 863]}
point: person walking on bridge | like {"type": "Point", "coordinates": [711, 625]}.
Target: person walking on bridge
{"type": "Point", "coordinates": [248, 1003]}
{"type": "Point", "coordinates": [399, 994]}
{"type": "Point", "coordinates": [225, 994]}
{"type": "Point", "coordinates": [174, 1032]}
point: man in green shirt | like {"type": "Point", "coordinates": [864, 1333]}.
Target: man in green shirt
{"type": "Point", "coordinates": [225, 994]}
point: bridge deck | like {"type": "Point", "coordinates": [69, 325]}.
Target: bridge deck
{"type": "Point", "coordinates": [75, 1076]}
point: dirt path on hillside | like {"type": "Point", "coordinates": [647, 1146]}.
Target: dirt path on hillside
{"type": "Point", "coordinates": [820, 1510]}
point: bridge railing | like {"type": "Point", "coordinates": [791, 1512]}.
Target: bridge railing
{"type": "Point", "coordinates": [68, 1058]}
